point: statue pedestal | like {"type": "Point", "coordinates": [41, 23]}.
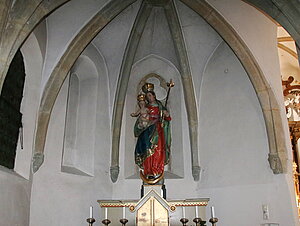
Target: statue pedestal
{"type": "Point", "coordinates": [156, 188]}
{"type": "Point", "coordinates": [160, 189]}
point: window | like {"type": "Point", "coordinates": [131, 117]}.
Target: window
{"type": "Point", "coordinates": [10, 115]}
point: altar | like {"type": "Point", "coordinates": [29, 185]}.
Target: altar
{"type": "Point", "coordinates": [153, 210]}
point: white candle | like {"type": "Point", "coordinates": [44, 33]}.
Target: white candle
{"type": "Point", "coordinates": [124, 215]}
{"type": "Point", "coordinates": [196, 210]}
{"type": "Point", "coordinates": [91, 212]}
{"type": "Point", "coordinates": [212, 211]}
{"type": "Point", "coordinates": [106, 213]}
{"type": "Point", "coordinates": [183, 212]}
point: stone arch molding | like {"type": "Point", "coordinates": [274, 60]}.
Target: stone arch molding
{"type": "Point", "coordinates": [58, 75]}
{"type": "Point", "coordinates": [269, 104]}
{"type": "Point", "coordinates": [270, 107]}
{"type": "Point", "coordinates": [15, 29]}
{"type": "Point", "coordinates": [33, 60]}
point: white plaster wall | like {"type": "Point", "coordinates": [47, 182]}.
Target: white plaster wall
{"type": "Point", "coordinates": [156, 38]}
{"type": "Point", "coordinates": [233, 151]}
{"type": "Point", "coordinates": [260, 34]}
{"type": "Point", "coordinates": [230, 112]}
{"type": "Point", "coordinates": [57, 195]}
{"type": "Point", "coordinates": [63, 25]}
{"type": "Point", "coordinates": [112, 41]}
{"type": "Point", "coordinates": [14, 198]}
{"type": "Point", "coordinates": [200, 40]}
{"type": "Point", "coordinates": [40, 33]}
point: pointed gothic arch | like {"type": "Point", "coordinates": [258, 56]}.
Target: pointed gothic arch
{"type": "Point", "coordinates": [26, 18]}
{"type": "Point", "coordinates": [265, 94]}
{"type": "Point", "coordinates": [58, 75]}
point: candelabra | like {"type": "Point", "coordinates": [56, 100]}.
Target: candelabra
{"type": "Point", "coordinates": [123, 221]}
{"type": "Point", "coordinates": [106, 222]}
{"type": "Point", "coordinates": [91, 221]}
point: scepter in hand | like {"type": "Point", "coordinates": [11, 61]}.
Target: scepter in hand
{"type": "Point", "coordinates": [170, 85]}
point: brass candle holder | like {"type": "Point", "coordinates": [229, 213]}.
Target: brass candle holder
{"type": "Point", "coordinates": [199, 221]}
{"type": "Point", "coordinates": [106, 222]}
{"type": "Point", "coordinates": [213, 221]}
{"type": "Point", "coordinates": [123, 221]}
{"type": "Point", "coordinates": [184, 221]}
{"type": "Point", "coordinates": [91, 221]}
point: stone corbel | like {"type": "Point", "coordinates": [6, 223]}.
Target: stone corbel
{"type": "Point", "coordinates": [275, 163]}
{"type": "Point", "coordinates": [196, 172]}
{"type": "Point", "coordinates": [114, 173]}
{"type": "Point", "coordinates": [37, 161]}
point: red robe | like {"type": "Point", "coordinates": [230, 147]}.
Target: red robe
{"type": "Point", "coordinates": [154, 164]}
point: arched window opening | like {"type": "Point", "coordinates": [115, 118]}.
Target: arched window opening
{"type": "Point", "coordinates": [10, 115]}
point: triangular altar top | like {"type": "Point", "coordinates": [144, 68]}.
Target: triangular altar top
{"type": "Point", "coordinates": [154, 194]}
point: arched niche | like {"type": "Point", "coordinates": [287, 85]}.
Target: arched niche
{"type": "Point", "coordinates": [157, 70]}
{"type": "Point", "coordinates": [80, 127]}
{"type": "Point", "coordinates": [87, 113]}
{"type": "Point", "coordinates": [232, 124]}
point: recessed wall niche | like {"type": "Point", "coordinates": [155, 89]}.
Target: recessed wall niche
{"type": "Point", "coordinates": [80, 126]}
{"type": "Point", "coordinates": [143, 71]}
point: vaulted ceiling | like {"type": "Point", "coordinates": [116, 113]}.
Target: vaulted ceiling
{"type": "Point", "coordinates": [150, 19]}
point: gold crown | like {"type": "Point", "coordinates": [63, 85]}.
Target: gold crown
{"type": "Point", "coordinates": [141, 97]}
{"type": "Point", "coordinates": [148, 87]}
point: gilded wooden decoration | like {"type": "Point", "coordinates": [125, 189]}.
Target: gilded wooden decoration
{"type": "Point", "coordinates": [152, 213]}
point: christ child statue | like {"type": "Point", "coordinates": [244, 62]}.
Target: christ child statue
{"type": "Point", "coordinates": [142, 113]}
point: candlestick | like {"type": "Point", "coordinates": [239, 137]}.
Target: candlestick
{"type": "Point", "coordinates": [90, 221]}
{"type": "Point", "coordinates": [196, 210]}
{"type": "Point", "coordinates": [106, 222]}
{"type": "Point", "coordinates": [213, 221]}
{"type": "Point", "coordinates": [184, 221]}
{"type": "Point", "coordinates": [124, 214]}
{"type": "Point", "coordinates": [123, 221]}
{"type": "Point", "coordinates": [199, 221]}
{"type": "Point", "coordinates": [212, 212]}
{"type": "Point", "coordinates": [105, 213]}
{"type": "Point", "coordinates": [91, 212]}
